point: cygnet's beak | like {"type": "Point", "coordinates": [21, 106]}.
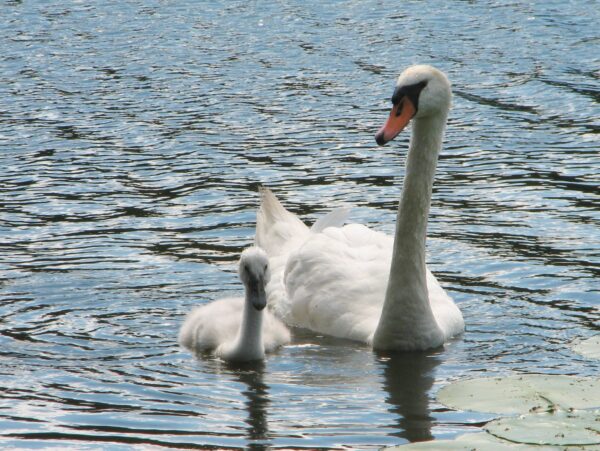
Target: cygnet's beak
{"type": "Point", "coordinates": [257, 293]}
{"type": "Point", "coordinates": [401, 114]}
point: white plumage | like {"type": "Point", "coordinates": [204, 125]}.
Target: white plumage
{"type": "Point", "coordinates": [238, 328]}
{"type": "Point", "coordinates": [353, 282]}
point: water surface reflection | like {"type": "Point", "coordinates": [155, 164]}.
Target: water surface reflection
{"type": "Point", "coordinates": [256, 392]}
{"type": "Point", "coordinates": [408, 379]}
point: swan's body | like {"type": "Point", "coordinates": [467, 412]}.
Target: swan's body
{"type": "Point", "coordinates": [237, 328]}
{"type": "Point", "coordinates": [357, 283]}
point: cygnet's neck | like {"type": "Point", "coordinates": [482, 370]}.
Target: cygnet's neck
{"type": "Point", "coordinates": [407, 321]}
{"type": "Point", "coordinates": [249, 340]}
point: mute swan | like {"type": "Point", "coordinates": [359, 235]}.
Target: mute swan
{"type": "Point", "coordinates": [356, 283]}
{"type": "Point", "coordinates": [237, 328]}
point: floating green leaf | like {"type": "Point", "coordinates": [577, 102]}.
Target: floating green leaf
{"type": "Point", "coordinates": [522, 394]}
{"type": "Point", "coordinates": [547, 402]}
{"type": "Point", "coordinates": [483, 441]}
{"type": "Point", "coordinates": [468, 442]}
{"type": "Point", "coordinates": [589, 348]}
{"type": "Point", "coordinates": [576, 428]}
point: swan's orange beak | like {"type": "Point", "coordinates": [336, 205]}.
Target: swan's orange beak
{"type": "Point", "coordinates": [400, 115]}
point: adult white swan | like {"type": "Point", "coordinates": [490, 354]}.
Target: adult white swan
{"type": "Point", "coordinates": [237, 329]}
{"type": "Point", "coordinates": [357, 283]}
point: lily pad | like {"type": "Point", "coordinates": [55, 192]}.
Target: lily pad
{"type": "Point", "coordinates": [481, 441]}
{"type": "Point", "coordinates": [522, 394]}
{"type": "Point", "coordinates": [589, 348]}
{"type": "Point", "coordinates": [575, 428]}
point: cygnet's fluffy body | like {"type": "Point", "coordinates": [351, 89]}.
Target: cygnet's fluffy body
{"type": "Point", "coordinates": [237, 329]}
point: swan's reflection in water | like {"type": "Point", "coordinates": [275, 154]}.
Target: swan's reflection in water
{"type": "Point", "coordinates": [257, 402]}
{"type": "Point", "coordinates": [408, 378]}
{"type": "Point", "coordinates": [406, 381]}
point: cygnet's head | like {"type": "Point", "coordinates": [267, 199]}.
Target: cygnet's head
{"type": "Point", "coordinates": [421, 91]}
{"type": "Point", "coordinates": [254, 273]}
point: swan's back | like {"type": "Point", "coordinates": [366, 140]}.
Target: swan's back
{"type": "Point", "coordinates": [335, 282]}
{"type": "Point", "coordinates": [277, 230]}
{"type": "Point", "coordinates": [333, 279]}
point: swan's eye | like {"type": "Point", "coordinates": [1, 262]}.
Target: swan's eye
{"type": "Point", "coordinates": [400, 107]}
{"type": "Point", "coordinates": [410, 91]}
{"type": "Point", "coordinates": [266, 267]}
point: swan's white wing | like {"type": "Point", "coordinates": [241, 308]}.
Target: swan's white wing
{"type": "Point", "coordinates": [335, 218]}
{"type": "Point", "coordinates": [333, 279]}
{"type": "Point", "coordinates": [335, 282]}
{"type": "Point", "coordinates": [277, 230]}
{"type": "Point", "coordinates": [279, 233]}
{"type": "Point", "coordinates": [445, 311]}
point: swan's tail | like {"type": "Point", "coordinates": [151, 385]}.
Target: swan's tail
{"type": "Point", "coordinates": [277, 230]}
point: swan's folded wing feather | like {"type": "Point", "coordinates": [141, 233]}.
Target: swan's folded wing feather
{"type": "Point", "coordinates": [277, 230]}
{"type": "Point", "coordinates": [335, 218]}
{"type": "Point", "coordinates": [446, 312]}
{"type": "Point", "coordinates": [335, 282]}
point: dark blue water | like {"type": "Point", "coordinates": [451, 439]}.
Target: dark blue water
{"type": "Point", "coordinates": [134, 136]}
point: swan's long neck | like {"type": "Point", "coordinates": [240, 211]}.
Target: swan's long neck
{"type": "Point", "coordinates": [249, 341]}
{"type": "Point", "coordinates": [407, 321]}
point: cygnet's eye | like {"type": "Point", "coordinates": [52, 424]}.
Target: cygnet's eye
{"type": "Point", "coordinates": [266, 267]}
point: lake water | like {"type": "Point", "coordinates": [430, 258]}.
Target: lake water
{"type": "Point", "coordinates": [134, 136]}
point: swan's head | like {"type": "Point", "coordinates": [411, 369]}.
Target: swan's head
{"type": "Point", "coordinates": [254, 273]}
{"type": "Point", "coordinates": [421, 91]}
